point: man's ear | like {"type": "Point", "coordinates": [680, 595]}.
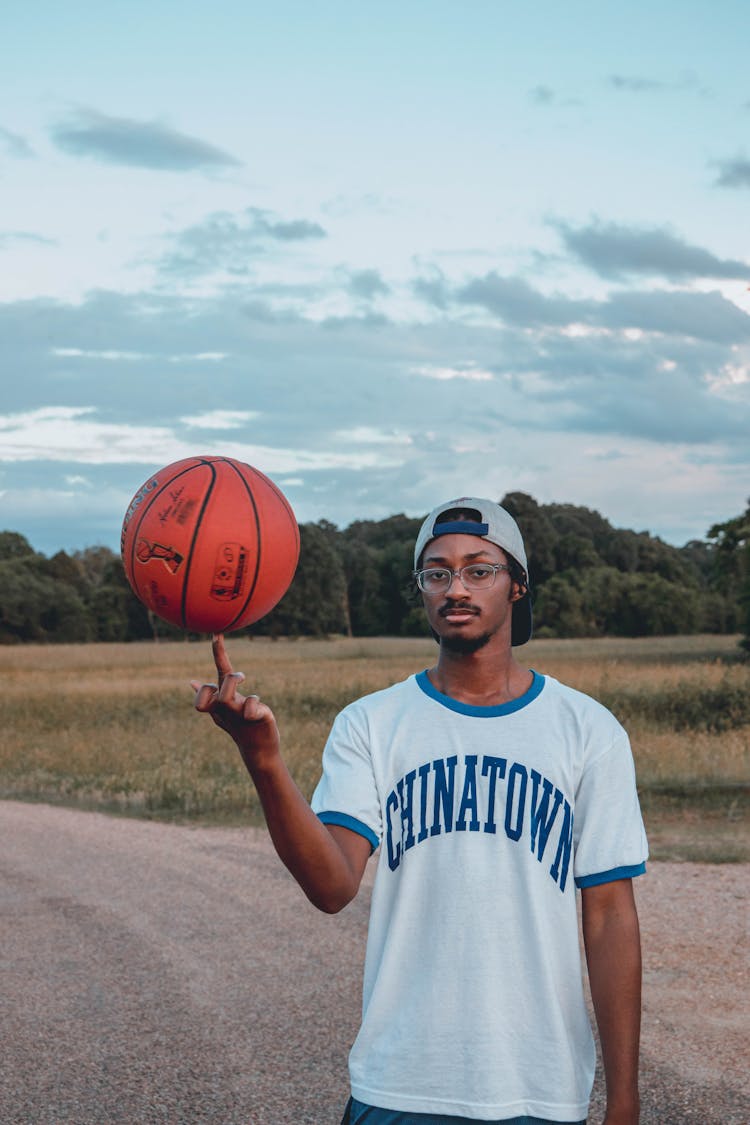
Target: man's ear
{"type": "Point", "coordinates": [519, 590]}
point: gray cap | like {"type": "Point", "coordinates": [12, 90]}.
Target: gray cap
{"type": "Point", "coordinates": [496, 526]}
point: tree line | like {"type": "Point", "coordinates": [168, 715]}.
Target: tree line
{"type": "Point", "coordinates": [588, 579]}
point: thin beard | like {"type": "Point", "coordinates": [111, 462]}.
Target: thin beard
{"type": "Point", "coordinates": [465, 645]}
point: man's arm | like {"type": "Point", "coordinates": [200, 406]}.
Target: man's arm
{"type": "Point", "coordinates": [327, 861]}
{"type": "Point", "coordinates": [613, 955]}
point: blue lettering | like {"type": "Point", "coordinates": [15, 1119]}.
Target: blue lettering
{"type": "Point", "coordinates": [495, 767]}
{"type": "Point", "coordinates": [545, 804]}
{"type": "Point", "coordinates": [469, 797]}
{"type": "Point", "coordinates": [564, 847]}
{"type": "Point", "coordinates": [394, 857]}
{"type": "Point", "coordinates": [513, 831]}
{"type": "Point", "coordinates": [407, 819]}
{"type": "Point", "coordinates": [424, 773]}
{"type": "Point", "coordinates": [444, 790]}
{"type": "Point", "coordinates": [541, 819]}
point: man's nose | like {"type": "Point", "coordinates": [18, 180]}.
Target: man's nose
{"type": "Point", "coordinates": [456, 588]}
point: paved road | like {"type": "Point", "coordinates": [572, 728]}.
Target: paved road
{"type": "Point", "coordinates": [153, 973]}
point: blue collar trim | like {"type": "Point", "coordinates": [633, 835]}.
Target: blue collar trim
{"type": "Point", "coordinates": [424, 682]}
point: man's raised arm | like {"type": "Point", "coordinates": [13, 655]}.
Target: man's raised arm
{"type": "Point", "coordinates": [327, 861]}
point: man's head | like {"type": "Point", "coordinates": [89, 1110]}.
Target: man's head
{"type": "Point", "coordinates": [489, 524]}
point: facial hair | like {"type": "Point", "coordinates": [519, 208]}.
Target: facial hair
{"type": "Point", "coordinates": [465, 645]}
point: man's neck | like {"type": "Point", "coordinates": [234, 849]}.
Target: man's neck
{"type": "Point", "coordinates": [484, 678]}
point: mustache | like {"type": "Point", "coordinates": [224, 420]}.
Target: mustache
{"type": "Point", "coordinates": [454, 607]}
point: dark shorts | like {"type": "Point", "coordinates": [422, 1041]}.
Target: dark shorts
{"type": "Point", "coordinates": [361, 1114]}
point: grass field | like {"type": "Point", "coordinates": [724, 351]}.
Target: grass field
{"type": "Point", "coordinates": [112, 727]}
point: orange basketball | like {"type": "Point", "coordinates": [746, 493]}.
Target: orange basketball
{"type": "Point", "coordinates": [209, 544]}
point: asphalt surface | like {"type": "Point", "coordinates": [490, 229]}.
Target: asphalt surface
{"type": "Point", "coordinates": [155, 973]}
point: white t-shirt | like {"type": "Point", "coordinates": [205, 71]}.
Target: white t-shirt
{"type": "Point", "coordinates": [488, 817]}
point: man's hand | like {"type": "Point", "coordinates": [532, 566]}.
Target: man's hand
{"type": "Point", "coordinates": [248, 721]}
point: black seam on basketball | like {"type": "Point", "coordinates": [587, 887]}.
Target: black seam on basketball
{"type": "Point", "coordinates": [254, 582]}
{"type": "Point", "coordinates": [198, 522]}
{"type": "Point", "coordinates": [141, 515]}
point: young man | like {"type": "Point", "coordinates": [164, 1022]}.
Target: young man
{"type": "Point", "coordinates": [493, 792]}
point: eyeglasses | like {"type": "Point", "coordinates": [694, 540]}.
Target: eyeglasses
{"type": "Point", "coordinates": [438, 579]}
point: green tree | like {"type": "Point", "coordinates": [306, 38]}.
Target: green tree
{"type": "Point", "coordinates": [558, 610]}
{"type": "Point", "coordinates": [732, 539]}
{"type": "Point", "coordinates": [539, 535]}
{"type": "Point", "coordinates": [14, 546]}
{"type": "Point", "coordinates": [36, 607]}
{"type": "Point", "coordinates": [315, 604]}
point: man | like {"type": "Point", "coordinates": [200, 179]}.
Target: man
{"type": "Point", "coordinates": [493, 792]}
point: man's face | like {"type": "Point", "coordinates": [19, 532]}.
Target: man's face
{"type": "Point", "coordinates": [467, 620]}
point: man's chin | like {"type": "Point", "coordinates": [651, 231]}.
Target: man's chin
{"type": "Point", "coordinates": [465, 645]}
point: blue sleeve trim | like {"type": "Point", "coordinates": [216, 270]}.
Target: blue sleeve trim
{"type": "Point", "coordinates": [611, 876]}
{"type": "Point", "coordinates": [350, 822]}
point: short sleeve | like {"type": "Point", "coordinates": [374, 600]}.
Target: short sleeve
{"type": "Point", "coordinates": [347, 793]}
{"type": "Point", "coordinates": [609, 837]}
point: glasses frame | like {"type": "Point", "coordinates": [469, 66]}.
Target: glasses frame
{"type": "Point", "coordinates": [494, 567]}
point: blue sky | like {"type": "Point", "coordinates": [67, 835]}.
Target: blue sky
{"type": "Point", "coordinates": [386, 253]}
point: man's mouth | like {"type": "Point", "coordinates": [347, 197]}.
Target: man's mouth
{"type": "Point", "coordinates": [458, 614]}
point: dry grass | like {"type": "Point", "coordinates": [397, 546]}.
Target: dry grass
{"type": "Point", "coordinates": [111, 726]}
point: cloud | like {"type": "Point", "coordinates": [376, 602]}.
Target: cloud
{"type": "Point", "coordinates": [517, 302]}
{"type": "Point", "coordinates": [371, 435]}
{"type": "Point", "coordinates": [219, 419]}
{"type": "Point", "coordinates": [228, 243]}
{"type": "Point", "coordinates": [11, 237]}
{"type": "Point", "coordinates": [109, 355]}
{"type": "Point", "coordinates": [733, 173]}
{"type": "Point", "coordinates": [639, 84]}
{"type": "Point", "coordinates": [433, 290]}
{"type": "Point", "coordinates": [542, 95]}
{"type": "Point", "coordinates": [139, 144]}
{"type": "Point", "coordinates": [73, 435]}
{"type": "Point", "coordinates": [365, 413]}
{"type": "Point", "coordinates": [15, 145]}
{"type": "Point", "coordinates": [469, 371]}
{"type": "Point", "coordinates": [634, 83]}
{"type": "Point", "coordinates": [703, 316]}
{"type": "Point", "coordinates": [367, 284]}
{"type": "Point", "coordinates": [615, 251]}
{"type": "Point", "coordinates": [698, 315]}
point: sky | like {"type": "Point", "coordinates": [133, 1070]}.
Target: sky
{"type": "Point", "coordinates": [389, 254]}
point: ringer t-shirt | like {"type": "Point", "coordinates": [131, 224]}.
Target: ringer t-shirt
{"type": "Point", "coordinates": [487, 819]}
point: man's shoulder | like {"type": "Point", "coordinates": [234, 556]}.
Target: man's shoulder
{"type": "Point", "coordinates": [382, 699]}
{"type": "Point", "coordinates": [585, 708]}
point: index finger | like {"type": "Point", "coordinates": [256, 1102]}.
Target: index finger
{"type": "Point", "coordinates": [221, 659]}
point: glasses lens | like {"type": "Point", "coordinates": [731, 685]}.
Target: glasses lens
{"type": "Point", "coordinates": [433, 581]}
{"type": "Point", "coordinates": [478, 577]}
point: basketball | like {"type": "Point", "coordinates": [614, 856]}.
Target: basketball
{"type": "Point", "coordinates": [209, 544]}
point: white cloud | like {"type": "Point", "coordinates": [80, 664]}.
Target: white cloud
{"type": "Point", "coordinates": [220, 419]}
{"type": "Point", "coordinates": [370, 435]}
{"type": "Point", "coordinates": [730, 377]}
{"type": "Point", "coordinates": [69, 434]}
{"type": "Point", "coordinates": [114, 354]}
{"type": "Point", "coordinates": [469, 371]}
{"type": "Point", "coordinates": [109, 354]}
{"type": "Point", "coordinates": [200, 357]}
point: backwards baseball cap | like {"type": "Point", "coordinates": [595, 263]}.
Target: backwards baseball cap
{"type": "Point", "coordinates": [496, 526]}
